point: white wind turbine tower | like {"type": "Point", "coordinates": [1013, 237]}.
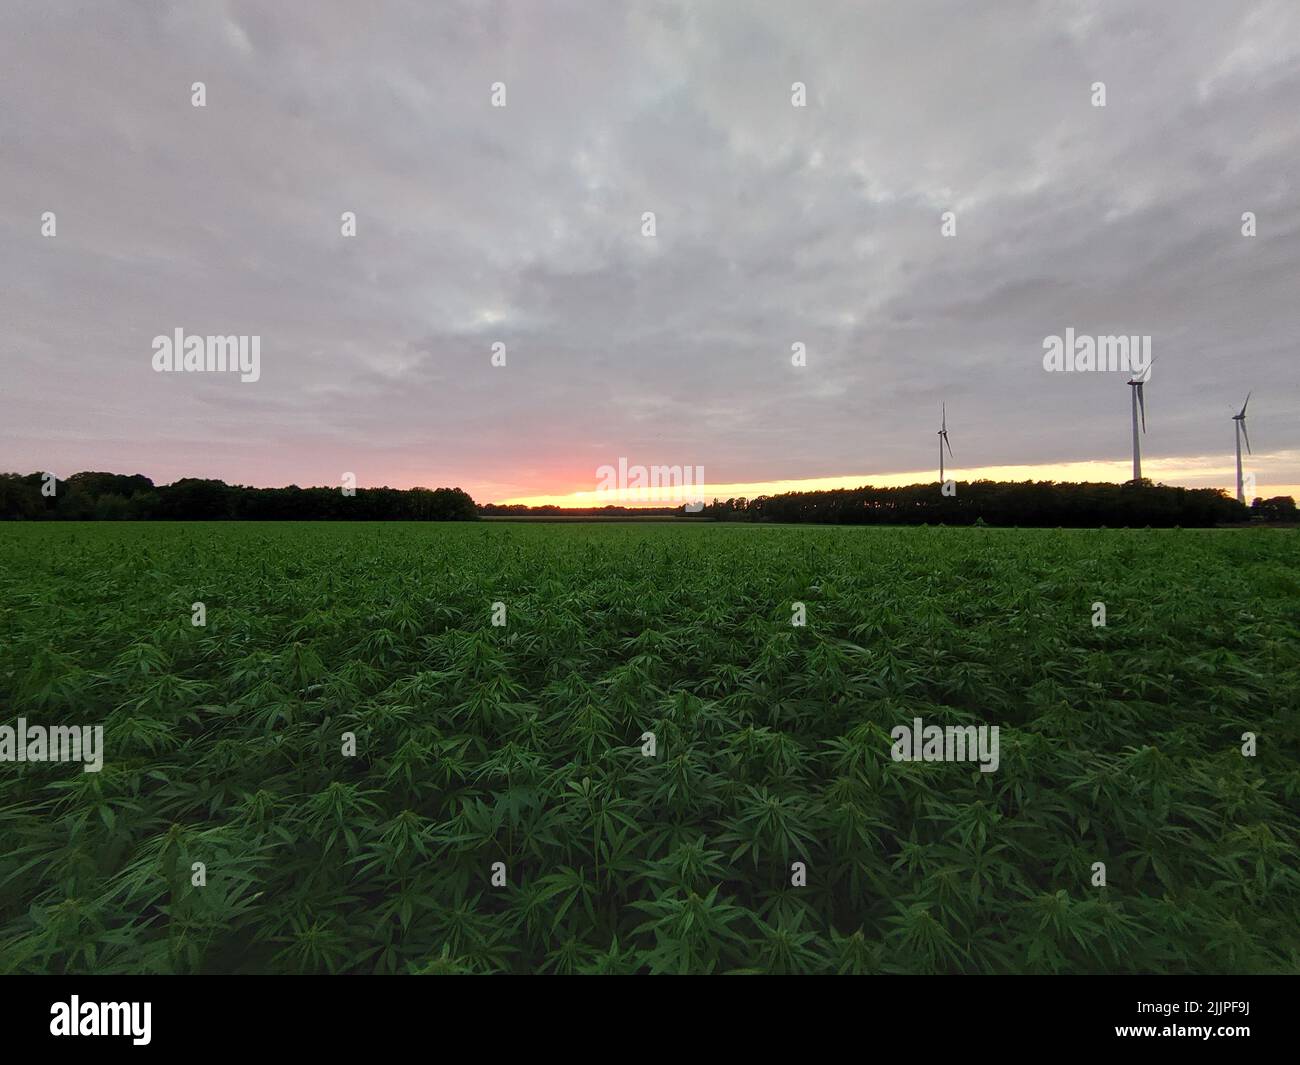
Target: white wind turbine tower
{"type": "Point", "coordinates": [943, 439]}
{"type": "Point", "coordinates": [1240, 422]}
{"type": "Point", "coordinates": [1136, 384]}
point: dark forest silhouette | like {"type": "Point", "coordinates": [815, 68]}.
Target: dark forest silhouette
{"type": "Point", "coordinates": [109, 497]}
{"type": "Point", "coordinates": [1019, 503]}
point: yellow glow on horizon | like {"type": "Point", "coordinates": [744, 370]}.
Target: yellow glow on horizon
{"type": "Point", "coordinates": [1276, 474]}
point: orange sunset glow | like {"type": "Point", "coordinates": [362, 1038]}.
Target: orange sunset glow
{"type": "Point", "coordinates": [1276, 474]}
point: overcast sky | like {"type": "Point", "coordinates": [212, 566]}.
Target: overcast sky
{"type": "Point", "coordinates": [523, 224]}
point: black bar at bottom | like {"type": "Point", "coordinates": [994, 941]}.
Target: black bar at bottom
{"type": "Point", "coordinates": [338, 1014]}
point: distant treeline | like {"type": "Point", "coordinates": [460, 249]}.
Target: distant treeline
{"type": "Point", "coordinates": [111, 496]}
{"type": "Point", "coordinates": [1026, 503]}
{"type": "Point", "coordinates": [118, 497]}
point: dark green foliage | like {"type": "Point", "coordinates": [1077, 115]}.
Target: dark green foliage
{"type": "Point", "coordinates": [1278, 508]}
{"type": "Point", "coordinates": [1031, 504]}
{"type": "Point", "coordinates": [522, 745]}
{"type": "Point", "coordinates": [113, 497]}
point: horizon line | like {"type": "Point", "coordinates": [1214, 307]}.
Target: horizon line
{"type": "Point", "coordinates": [1175, 471]}
{"type": "Point", "coordinates": [1277, 474]}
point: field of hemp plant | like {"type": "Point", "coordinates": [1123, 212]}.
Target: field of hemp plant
{"type": "Point", "coordinates": [415, 748]}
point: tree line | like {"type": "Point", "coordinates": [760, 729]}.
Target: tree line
{"type": "Point", "coordinates": [110, 496]}
{"type": "Point", "coordinates": [1026, 503]}
{"type": "Point", "coordinates": [121, 497]}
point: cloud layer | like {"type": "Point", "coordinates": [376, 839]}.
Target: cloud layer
{"type": "Point", "coordinates": [522, 224]}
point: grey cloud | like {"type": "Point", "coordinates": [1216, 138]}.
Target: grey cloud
{"type": "Point", "coordinates": [522, 224]}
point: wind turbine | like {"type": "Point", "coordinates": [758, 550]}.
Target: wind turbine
{"type": "Point", "coordinates": [1136, 384]}
{"type": "Point", "coordinates": [943, 439]}
{"type": "Point", "coordinates": [1240, 420]}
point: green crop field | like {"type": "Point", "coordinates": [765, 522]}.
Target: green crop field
{"type": "Point", "coordinates": [350, 768]}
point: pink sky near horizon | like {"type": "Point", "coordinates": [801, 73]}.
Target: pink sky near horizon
{"type": "Point", "coordinates": [1275, 474]}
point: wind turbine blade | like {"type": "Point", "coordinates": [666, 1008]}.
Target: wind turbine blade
{"type": "Point", "coordinates": [1245, 405]}
{"type": "Point", "coordinates": [1247, 436]}
{"type": "Point", "coordinates": [945, 440]}
{"type": "Point", "coordinates": [1143, 406]}
{"type": "Point", "coordinates": [945, 417]}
